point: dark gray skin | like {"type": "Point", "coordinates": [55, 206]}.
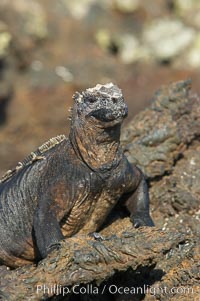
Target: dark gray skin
{"type": "Point", "coordinates": [71, 187]}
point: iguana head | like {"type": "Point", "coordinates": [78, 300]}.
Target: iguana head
{"type": "Point", "coordinates": [102, 105]}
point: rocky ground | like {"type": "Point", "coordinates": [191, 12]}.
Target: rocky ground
{"type": "Point", "coordinates": [50, 49]}
{"type": "Point", "coordinates": [159, 263]}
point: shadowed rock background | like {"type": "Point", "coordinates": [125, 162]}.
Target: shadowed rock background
{"type": "Point", "coordinates": [50, 49]}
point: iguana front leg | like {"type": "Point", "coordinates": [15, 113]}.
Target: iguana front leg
{"type": "Point", "coordinates": [46, 228]}
{"type": "Point", "coordinates": [137, 197]}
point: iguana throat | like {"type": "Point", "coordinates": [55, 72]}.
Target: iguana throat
{"type": "Point", "coordinates": [99, 149]}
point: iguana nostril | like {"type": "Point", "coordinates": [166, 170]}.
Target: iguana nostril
{"type": "Point", "coordinates": [114, 99]}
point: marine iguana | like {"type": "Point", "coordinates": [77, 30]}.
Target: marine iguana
{"type": "Point", "coordinates": [69, 185]}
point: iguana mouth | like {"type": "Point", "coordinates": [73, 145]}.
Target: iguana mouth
{"type": "Point", "coordinates": [108, 115]}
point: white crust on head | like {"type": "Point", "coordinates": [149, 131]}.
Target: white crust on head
{"type": "Point", "coordinates": [98, 87]}
{"type": "Point", "coordinates": [109, 90]}
{"type": "Point", "coordinates": [78, 97]}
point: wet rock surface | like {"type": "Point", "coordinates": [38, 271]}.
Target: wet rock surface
{"type": "Point", "coordinates": [163, 261]}
{"type": "Point", "coordinates": [156, 137]}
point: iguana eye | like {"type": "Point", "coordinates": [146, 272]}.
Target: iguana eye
{"type": "Point", "coordinates": [91, 99]}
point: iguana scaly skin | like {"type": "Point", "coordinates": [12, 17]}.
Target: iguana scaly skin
{"type": "Point", "coordinates": [69, 185]}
